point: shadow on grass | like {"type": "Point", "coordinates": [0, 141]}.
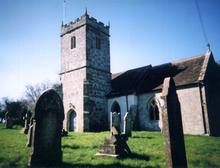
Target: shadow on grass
{"type": "Point", "coordinates": [7, 162]}
{"type": "Point", "coordinates": [148, 137]}
{"type": "Point", "coordinates": [116, 165]}
{"type": "Point", "coordinates": [78, 146]}
{"type": "Point", "coordinates": [71, 146]}
{"type": "Point", "coordinates": [201, 163]}
{"type": "Point", "coordinates": [135, 156]}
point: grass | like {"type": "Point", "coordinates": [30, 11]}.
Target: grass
{"type": "Point", "coordinates": [79, 150]}
{"type": "Point", "coordinates": [13, 152]}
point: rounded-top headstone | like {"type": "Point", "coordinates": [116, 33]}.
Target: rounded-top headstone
{"type": "Point", "coordinates": [49, 100]}
{"type": "Point", "coordinates": [47, 127]}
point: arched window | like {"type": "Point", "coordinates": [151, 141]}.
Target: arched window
{"type": "Point", "coordinates": [153, 110]}
{"type": "Point", "coordinates": [115, 107]}
{"type": "Point", "coordinates": [73, 42]}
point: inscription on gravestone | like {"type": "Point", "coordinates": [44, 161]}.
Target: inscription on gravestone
{"type": "Point", "coordinates": [172, 126]}
{"type": "Point", "coordinates": [47, 126]}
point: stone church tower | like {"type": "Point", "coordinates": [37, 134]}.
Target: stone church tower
{"type": "Point", "coordinates": [85, 73]}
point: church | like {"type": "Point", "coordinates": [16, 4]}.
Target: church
{"type": "Point", "coordinates": [91, 92]}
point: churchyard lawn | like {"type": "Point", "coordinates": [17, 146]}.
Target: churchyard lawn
{"type": "Point", "coordinates": [79, 149]}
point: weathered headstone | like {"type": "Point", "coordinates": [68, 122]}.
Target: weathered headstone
{"type": "Point", "coordinates": [8, 121]}
{"type": "Point", "coordinates": [172, 126]}
{"type": "Point", "coordinates": [30, 132]}
{"type": "Point", "coordinates": [116, 145]}
{"type": "Point", "coordinates": [115, 128]}
{"type": "Point", "coordinates": [127, 124]}
{"type": "Point", "coordinates": [27, 119]}
{"type": "Point", "coordinates": [133, 111]}
{"type": "Point", "coordinates": [47, 126]}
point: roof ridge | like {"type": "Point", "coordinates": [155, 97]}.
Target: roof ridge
{"type": "Point", "coordinates": [188, 58]}
{"type": "Point", "coordinates": [204, 66]}
{"type": "Point", "coordinates": [118, 73]}
{"type": "Point", "coordinates": [146, 66]}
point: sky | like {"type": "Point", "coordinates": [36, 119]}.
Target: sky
{"type": "Point", "coordinates": [142, 32]}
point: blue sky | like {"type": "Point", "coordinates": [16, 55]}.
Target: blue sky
{"type": "Point", "coordinates": [142, 32]}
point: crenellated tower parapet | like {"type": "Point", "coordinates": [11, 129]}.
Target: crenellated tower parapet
{"type": "Point", "coordinates": [82, 21]}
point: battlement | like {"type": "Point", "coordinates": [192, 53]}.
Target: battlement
{"type": "Point", "coordinates": [84, 20]}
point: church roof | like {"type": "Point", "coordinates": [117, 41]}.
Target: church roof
{"type": "Point", "coordinates": [145, 79]}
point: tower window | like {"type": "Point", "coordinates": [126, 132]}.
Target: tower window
{"type": "Point", "coordinates": [73, 42]}
{"type": "Point", "coordinates": [153, 110]}
{"type": "Point", "coordinates": [98, 43]}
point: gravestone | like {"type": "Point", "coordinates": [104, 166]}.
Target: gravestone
{"type": "Point", "coordinates": [47, 126]}
{"type": "Point", "coordinates": [128, 124]}
{"type": "Point", "coordinates": [30, 133]}
{"type": "Point", "coordinates": [115, 127]}
{"type": "Point", "coordinates": [172, 126]}
{"type": "Point", "coordinates": [27, 119]}
{"type": "Point", "coordinates": [8, 121]}
{"type": "Point", "coordinates": [116, 145]}
{"type": "Point", "coordinates": [133, 111]}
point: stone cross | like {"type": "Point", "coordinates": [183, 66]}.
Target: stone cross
{"type": "Point", "coordinates": [172, 126]}
{"type": "Point", "coordinates": [127, 124]}
{"type": "Point", "coordinates": [115, 128]}
{"type": "Point", "coordinates": [47, 126]}
{"type": "Point", "coordinates": [8, 121]}
{"type": "Point", "coordinates": [116, 145]}
{"type": "Point", "coordinates": [27, 122]}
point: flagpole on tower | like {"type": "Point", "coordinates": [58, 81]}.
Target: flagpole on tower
{"type": "Point", "coordinates": [64, 12]}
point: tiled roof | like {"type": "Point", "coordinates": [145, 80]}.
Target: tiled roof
{"type": "Point", "coordinates": [129, 81]}
{"type": "Point", "coordinates": [148, 78]}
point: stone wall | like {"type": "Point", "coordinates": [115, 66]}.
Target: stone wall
{"type": "Point", "coordinates": [73, 58]}
{"type": "Point", "coordinates": [97, 58]}
{"type": "Point", "coordinates": [191, 108]}
{"type": "Point", "coordinates": [190, 104]}
{"type": "Point", "coordinates": [98, 85]}
{"type": "Point", "coordinates": [73, 95]}
{"type": "Point", "coordinates": [98, 76]}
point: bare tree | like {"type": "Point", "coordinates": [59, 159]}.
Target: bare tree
{"type": "Point", "coordinates": [33, 92]}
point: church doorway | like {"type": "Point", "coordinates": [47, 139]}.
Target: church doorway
{"type": "Point", "coordinates": [72, 120]}
{"type": "Point", "coordinates": [115, 107]}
